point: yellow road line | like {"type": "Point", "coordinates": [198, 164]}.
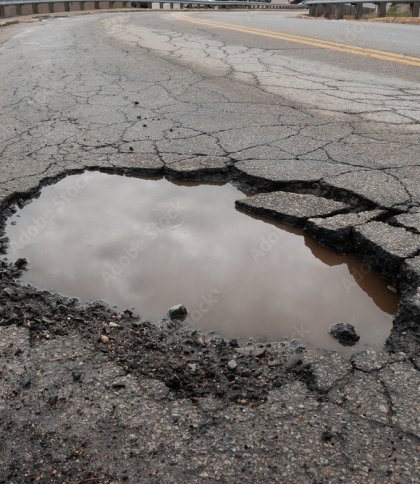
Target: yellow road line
{"type": "Point", "coordinates": [323, 44]}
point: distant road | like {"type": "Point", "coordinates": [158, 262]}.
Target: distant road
{"type": "Point", "coordinates": [395, 38]}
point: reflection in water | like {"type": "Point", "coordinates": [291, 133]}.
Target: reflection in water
{"type": "Point", "coordinates": [360, 271]}
{"type": "Point", "coordinates": [151, 244]}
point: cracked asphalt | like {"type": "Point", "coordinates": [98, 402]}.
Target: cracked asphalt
{"type": "Point", "coordinates": [88, 395]}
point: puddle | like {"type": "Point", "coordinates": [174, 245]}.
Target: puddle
{"type": "Point", "coordinates": [151, 244]}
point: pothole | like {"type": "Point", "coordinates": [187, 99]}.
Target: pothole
{"type": "Point", "coordinates": [149, 244]}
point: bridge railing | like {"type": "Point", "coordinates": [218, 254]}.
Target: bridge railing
{"type": "Point", "coordinates": [75, 5]}
{"type": "Point", "coordinates": [336, 8]}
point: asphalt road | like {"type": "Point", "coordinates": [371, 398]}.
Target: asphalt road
{"type": "Point", "coordinates": [396, 38]}
{"type": "Point", "coordinates": [278, 102]}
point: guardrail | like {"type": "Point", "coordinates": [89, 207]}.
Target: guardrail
{"type": "Point", "coordinates": [336, 8]}
{"type": "Point", "coordinates": [76, 5]}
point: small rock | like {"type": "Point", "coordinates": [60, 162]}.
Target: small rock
{"type": "Point", "coordinates": [104, 339]}
{"type": "Point", "coordinates": [21, 263]}
{"type": "Point", "coordinates": [177, 312]}
{"type": "Point", "coordinates": [8, 291]}
{"type": "Point", "coordinates": [13, 318]}
{"type": "Point", "coordinates": [260, 352]}
{"type": "Point", "coordinates": [113, 325]}
{"type": "Point", "coordinates": [296, 346]}
{"type": "Point", "coordinates": [24, 381]}
{"type": "Point", "coordinates": [344, 333]}
{"type": "Point", "coordinates": [232, 365]}
{"type": "Point", "coordinates": [118, 384]}
{"type": "Point", "coordinates": [130, 314]}
{"type": "Point", "coordinates": [383, 409]}
{"type": "Point", "coordinates": [77, 375]}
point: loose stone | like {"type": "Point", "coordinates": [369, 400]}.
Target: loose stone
{"type": "Point", "coordinates": [177, 312]}
{"type": "Point", "coordinates": [344, 333]}
{"type": "Point", "coordinates": [104, 339]}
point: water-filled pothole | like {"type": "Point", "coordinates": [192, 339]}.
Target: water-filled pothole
{"type": "Point", "coordinates": [150, 244]}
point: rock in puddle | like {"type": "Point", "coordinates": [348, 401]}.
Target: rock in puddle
{"type": "Point", "coordinates": [344, 333]}
{"type": "Point", "coordinates": [177, 312]}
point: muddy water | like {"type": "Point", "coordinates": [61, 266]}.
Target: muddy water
{"type": "Point", "coordinates": [151, 244]}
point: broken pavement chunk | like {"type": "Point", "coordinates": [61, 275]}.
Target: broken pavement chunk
{"type": "Point", "coordinates": [285, 172]}
{"type": "Point", "coordinates": [292, 208]}
{"type": "Point", "coordinates": [374, 186]}
{"type": "Point", "coordinates": [335, 232]}
{"type": "Point", "coordinates": [386, 247]}
{"type": "Point", "coordinates": [411, 269]}
{"type": "Point", "coordinates": [199, 166]}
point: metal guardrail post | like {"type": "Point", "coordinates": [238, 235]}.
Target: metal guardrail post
{"type": "Point", "coordinates": [125, 4]}
{"type": "Point", "coordinates": [414, 9]}
{"type": "Point", "coordinates": [96, 5]}
{"type": "Point", "coordinates": [50, 8]}
{"type": "Point", "coordinates": [35, 8]}
{"type": "Point", "coordinates": [67, 6]}
{"type": "Point", "coordinates": [328, 10]}
{"type": "Point", "coordinates": [339, 11]}
{"type": "Point", "coordinates": [160, 5]}
{"type": "Point", "coordinates": [171, 6]}
{"type": "Point", "coordinates": [111, 4]}
{"type": "Point", "coordinates": [81, 5]}
{"type": "Point", "coordinates": [18, 9]}
{"type": "Point", "coordinates": [381, 9]}
{"type": "Point", "coordinates": [358, 11]}
{"type": "Point", "coordinates": [320, 9]}
{"type": "Point", "coordinates": [2, 12]}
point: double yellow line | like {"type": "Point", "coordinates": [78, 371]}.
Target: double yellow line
{"type": "Point", "coordinates": [323, 44]}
